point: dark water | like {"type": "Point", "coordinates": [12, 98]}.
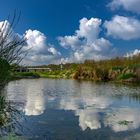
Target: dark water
{"type": "Point", "coordinates": [72, 110]}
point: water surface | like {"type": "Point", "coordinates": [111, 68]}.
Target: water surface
{"type": "Point", "coordinates": [73, 110]}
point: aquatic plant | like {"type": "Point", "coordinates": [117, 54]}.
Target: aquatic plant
{"type": "Point", "coordinates": [125, 122]}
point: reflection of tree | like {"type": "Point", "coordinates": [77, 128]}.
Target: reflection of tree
{"type": "Point", "coordinates": [9, 116]}
{"type": "Point", "coordinates": [135, 97]}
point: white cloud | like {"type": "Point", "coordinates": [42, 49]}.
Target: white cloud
{"type": "Point", "coordinates": [133, 53]}
{"type": "Point", "coordinates": [89, 29]}
{"type": "Point", "coordinates": [86, 43]}
{"type": "Point", "coordinates": [40, 52]}
{"type": "Point", "coordinates": [129, 5]}
{"type": "Point", "coordinates": [121, 27]}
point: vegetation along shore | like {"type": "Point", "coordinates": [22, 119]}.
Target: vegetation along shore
{"type": "Point", "coordinates": [118, 69]}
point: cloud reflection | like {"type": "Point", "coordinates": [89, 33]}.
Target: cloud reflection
{"type": "Point", "coordinates": [95, 106]}
{"type": "Point", "coordinates": [123, 119]}
{"type": "Point", "coordinates": [88, 118]}
{"type": "Point", "coordinates": [87, 108]}
{"type": "Point", "coordinates": [31, 96]}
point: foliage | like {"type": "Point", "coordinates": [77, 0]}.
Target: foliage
{"type": "Point", "coordinates": [117, 69]}
{"type": "Point", "coordinates": [4, 71]}
{"type": "Point", "coordinates": [126, 76]}
{"type": "Point", "coordinates": [27, 74]}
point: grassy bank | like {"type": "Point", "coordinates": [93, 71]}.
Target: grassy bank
{"type": "Point", "coordinates": [20, 75]}
{"type": "Point", "coordinates": [123, 70]}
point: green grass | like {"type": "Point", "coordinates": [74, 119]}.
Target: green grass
{"type": "Point", "coordinates": [118, 68]}
{"type": "Point", "coordinates": [56, 74]}
{"type": "Point", "coordinates": [126, 76]}
{"type": "Point", "coordinates": [134, 66]}
{"type": "Point", "coordinates": [26, 74]}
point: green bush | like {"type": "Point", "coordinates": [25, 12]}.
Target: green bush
{"type": "Point", "coordinates": [4, 71]}
{"type": "Point", "coordinates": [126, 76]}
{"type": "Point", "coordinates": [102, 74]}
{"type": "Point", "coordinates": [28, 74]}
{"type": "Point", "coordinates": [118, 68]}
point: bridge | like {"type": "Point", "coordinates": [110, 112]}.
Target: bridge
{"type": "Point", "coordinates": [32, 69]}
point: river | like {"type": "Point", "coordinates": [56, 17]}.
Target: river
{"type": "Point", "coordinates": [75, 110]}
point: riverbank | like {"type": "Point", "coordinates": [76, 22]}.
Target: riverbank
{"type": "Point", "coordinates": [86, 75]}
{"type": "Point", "coordinates": [122, 70]}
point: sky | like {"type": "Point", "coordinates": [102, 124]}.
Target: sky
{"type": "Point", "coordinates": [61, 31]}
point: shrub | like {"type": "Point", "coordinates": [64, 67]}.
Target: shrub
{"type": "Point", "coordinates": [126, 76]}
{"type": "Point", "coordinates": [4, 71]}
{"type": "Point", "coordinates": [28, 74]}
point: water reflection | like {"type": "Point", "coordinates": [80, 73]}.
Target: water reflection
{"type": "Point", "coordinates": [97, 106]}
{"type": "Point", "coordinates": [87, 108]}
{"type": "Point", "coordinates": [123, 119]}
{"type": "Point", "coordinates": [88, 118]}
{"type": "Point", "coordinates": [30, 95]}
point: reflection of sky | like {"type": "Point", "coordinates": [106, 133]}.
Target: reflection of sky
{"type": "Point", "coordinates": [87, 101]}
{"type": "Point", "coordinates": [31, 95]}
{"type": "Point", "coordinates": [88, 118]}
{"type": "Point", "coordinates": [130, 115]}
{"type": "Point", "coordinates": [35, 103]}
{"type": "Point", "coordinates": [87, 108]}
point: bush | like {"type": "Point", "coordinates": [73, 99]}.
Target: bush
{"type": "Point", "coordinates": [117, 68]}
{"type": "Point", "coordinates": [102, 74]}
{"type": "Point", "coordinates": [126, 76]}
{"type": "Point", "coordinates": [28, 74]}
{"type": "Point", "coordinates": [4, 71]}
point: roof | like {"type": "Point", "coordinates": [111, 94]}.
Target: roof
{"type": "Point", "coordinates": [39, 68]}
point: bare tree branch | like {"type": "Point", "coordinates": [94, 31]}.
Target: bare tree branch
{"type": "Point", "coordinates": [11, 44]}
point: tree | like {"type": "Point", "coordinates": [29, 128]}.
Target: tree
{"type": "Point", "coordinates": [11, 44]}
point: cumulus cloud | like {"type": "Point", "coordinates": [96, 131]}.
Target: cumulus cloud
{"type": "Point", "coordinates": [39, 51]}
{"type": "Point", "coordinates": [129, 5]}
{"type": "Point", "coordinates": [86, 43]}
{"type": "Point", "coordinates": [121, 27]}
{"type": "Point", "coordinates": [133, 53]}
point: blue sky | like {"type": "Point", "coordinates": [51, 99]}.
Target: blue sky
{"type": "Point", "coordinates": [75, 30]}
